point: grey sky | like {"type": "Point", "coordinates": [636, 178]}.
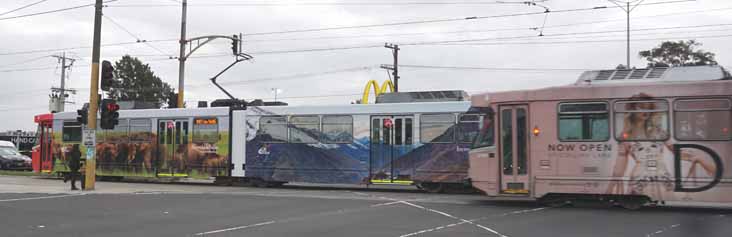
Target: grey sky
{"type": "Point", "coordinates": [25, 92]}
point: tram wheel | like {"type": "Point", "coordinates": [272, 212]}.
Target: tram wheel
{"type": "Point", "coordinates": [431, 187]}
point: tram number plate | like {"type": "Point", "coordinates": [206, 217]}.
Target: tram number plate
{"type": "Point", "coordinates": [89, 138]}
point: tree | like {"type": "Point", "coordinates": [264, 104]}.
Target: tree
{"type": "Point", "coordinates": [674, 54]}
{"type": "Point", "coordinates": [139, 83]}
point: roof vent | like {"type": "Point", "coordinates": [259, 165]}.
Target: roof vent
{"type": "Point", "coordinates": [621, 74]}
{"type": "Point", "coordinates": [638, 74]}
{"type": "Point", "coordinates": [665, 74]}
{"type": "Point", "coordinates": [657, 72]}
{"type": "Point", "coordinates": [604, 74]}
{"type": "Point", "coordinates": [422, 96]}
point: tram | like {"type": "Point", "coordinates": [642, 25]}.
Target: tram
{"type": "Point", "coordinates": [628, 137]}
{"type": "Point", "coordinates": [409, 139]}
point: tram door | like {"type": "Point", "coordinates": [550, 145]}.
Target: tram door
{"type": "Point", "coordinates": [172, 148]}
{"type": "Point", "coordinates": [514, 149]}
{"type": "Point", "coordinates": [391, 139]}
{"type": "Point", "coordinates": [45, 140]}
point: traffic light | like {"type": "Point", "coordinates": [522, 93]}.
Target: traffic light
{"type": "Point", "coordinates": [107, 75]}
{"type": "Point", "coordinates": [110, 116]}
{"type": "Point", "coordinates": [235, 45]}
{"type": "Point", "coordinates": [83, 115]}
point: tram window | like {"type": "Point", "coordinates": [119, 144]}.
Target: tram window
{"type": "Point", "coordinates": [398, 131]}
{"type": "Point", "coordinates": [437, 128]}
{"type": "Point", "coordinates": [408, 136]}
{"type": "Point", "coordinates": [140, 130]}
{"type": "Point", "coordinates": [205, 130]}
{"type": "Point", "coordinates": [273, 129]}
{"type": "Point", "coordinates": [486, 136]}
{"type": "Point", "coordinates": [641, 120]}
{"type": "Point", "coordinates": [178, 136]}
{"type": "Point", "coordinates": [161, 137]}
{"type": "Point", "coordinates": [185, 132]}
{"type": "Point", "coordinates": [338, 129]}
{"type": "Point", "coordinates": [71, 132]}
{"type": "Point", "coordinates": [702, 119]}
{"type": "Point", "coordinates": [375, 131]}
{"type": "Point", "coordinates": [468, 128]}
{"type": "Point", "coordinates": [304, 129]}
{"type": "Point", "coordinates": [584, 121]}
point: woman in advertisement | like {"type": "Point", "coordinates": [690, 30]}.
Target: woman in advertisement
{"type": "Point", "coordinates": [645, 150]}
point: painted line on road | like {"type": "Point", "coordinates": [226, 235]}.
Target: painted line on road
{"type": "Point", "coordinates": [668, 228]}
{"type": "Point", "coordinates": [472, 221]}
{"type": "Point", "coordinates": [39, 198]}
{"type": "Point", "coordinates": [235, 228]}
{"type": "Point", "coordinates": [453, 217]}
{"type": "Point", "coordinates": [286, 220]}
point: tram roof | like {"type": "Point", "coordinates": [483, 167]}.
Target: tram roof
{"type": "Point", "coordinates": [396, 108]}
{"type": "Point", "coordinates": [668, 86]}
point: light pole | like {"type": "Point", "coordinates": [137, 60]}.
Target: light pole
{"type": "Point", "coordinates": [625, 5]}
{"type": "Point", "coordinates": [276, 91]}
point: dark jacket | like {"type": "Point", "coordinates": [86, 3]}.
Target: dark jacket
{"type": "Point", "coordinates": [75, 158]}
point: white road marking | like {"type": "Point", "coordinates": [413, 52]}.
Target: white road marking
{"type": "Point", "coordinates": [281, 221]}
{"type": "Point", "coordinates": [473, 222]}
{"type": "Point", "coordinates": [386, 204]}
{"type": "Point", "coordinates": [677, 225]}
{"type": "Point", "coordinates": [450, 216]}
{"type": "Point", "coordinates": [38, 198]}
{"type": "Point", "coordinates": [236, 228]}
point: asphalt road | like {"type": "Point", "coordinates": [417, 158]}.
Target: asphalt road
{"type": "Point", "coordinates": [33, 207]}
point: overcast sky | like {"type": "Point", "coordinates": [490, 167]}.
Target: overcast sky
{"type": "Point", "coordinates": [339, 76]}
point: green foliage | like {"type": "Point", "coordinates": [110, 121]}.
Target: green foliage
{"type": "Point", "coordinates": [674, 54]}
{"type": "Point", "coordinates": [139, 83]}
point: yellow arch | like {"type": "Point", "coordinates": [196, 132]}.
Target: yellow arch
{"type": "Point", "coordinates": [377, 90]}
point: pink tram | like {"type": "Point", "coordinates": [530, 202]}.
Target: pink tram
{"type": "Point", "coordinates": [628, 137]}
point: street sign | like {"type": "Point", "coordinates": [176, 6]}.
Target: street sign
{"type": "Point", "coordinates": [89, 152]}
{"type": "Point", "coordinates": [89, 137]}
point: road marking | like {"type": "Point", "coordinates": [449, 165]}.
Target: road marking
{"type": "Point", "coordinates": [664, 229]}
{"type": "Point", "coordinates": [450, 216]}
{"type": "Point", "coordinates": [462, 221]}
{"type": "Point", "coordinates": [38, 198]}
{"type": "Point", "coordinates": [235, 228]}
{"type": "Point", "coordinates": [386, 204]}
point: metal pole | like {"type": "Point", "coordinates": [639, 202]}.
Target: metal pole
{"type": "Point", "coordinates": [182, 57]}
{"type": "Point", "coordinates": [396, 68]}
{"type": "Point", "coordinates": [93, 96]}
{"type": "Point", "coordinates": [62, 99]}
{"type": "Point", "coordinates": [628, 36]}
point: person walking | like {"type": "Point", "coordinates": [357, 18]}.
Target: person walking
{"type": "Point", "coordinates": [74, 166]}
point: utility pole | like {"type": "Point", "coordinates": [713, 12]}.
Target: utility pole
{"type": "Point", "coordinates": [395, 68]}
{"type": "Point", "coordinates": [625, 5]}
{"type": "Point", "coordinates": [91, 163]}
{"type": "Point", "coordinates": [61, 102]}
{"type": "Point", "coordinates": [182, 58]}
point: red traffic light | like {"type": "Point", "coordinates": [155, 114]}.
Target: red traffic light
{"type": "Point", "coordinates": [112, 107]}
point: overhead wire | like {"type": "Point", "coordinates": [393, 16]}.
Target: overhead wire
{"type": "Point", "coordinates": [448, 19]}
{"type": "Point", "coordinates": [22, 7]}
{"type": "Point", "coordinates": [24, 61]}
{"type": "Point", "coordinates": [305, 30]}
{"type": "Point", "coordinates": [52, 11]}
{"type": "Point", "coordinates": [139, 39]}
{"type": "Point", "coordinates": [303, 3]}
